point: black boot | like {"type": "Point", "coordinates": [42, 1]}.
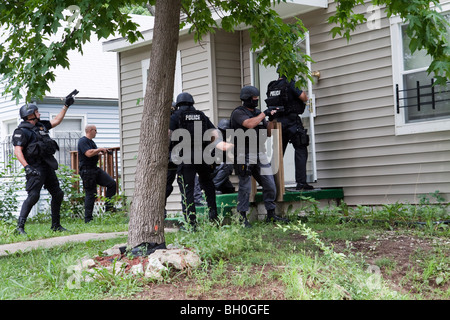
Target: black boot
{"type": "Point", "coordinates": [56, 225]}
{"type": "Point", "coordinates": [272, 217]}
{"type": "Point", "coordinates": [21, 226]}
{"type": "Point", "coordinates": [59, 228]}
{"type": "Point", "coordinates": [244, 219]}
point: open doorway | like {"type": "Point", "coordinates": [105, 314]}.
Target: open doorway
{"type": "Point", "coordinates": [261, 76]}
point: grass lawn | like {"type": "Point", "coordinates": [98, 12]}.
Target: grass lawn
{"type": "Point", "coordinates": [319, 258]}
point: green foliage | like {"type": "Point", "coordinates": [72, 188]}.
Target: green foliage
{"type": "Point", "coordinates": [276, 39]}
{"type": "Point", "coordinates": [27, 56]}
{"type": "Point", "coordinates": [140, 9]}
{"type": "Point", "coordinates": [426, 28]}
{"type": "Point", "coordinates": [431, 213]}
{"type": "Point", "coordinates": [331, 275]}
{"type": "Point", "coordinates": [297, 258]}
{"type": "Point", "coordinates": [70, 183]}
{"type": "Point", "coordinates": [9, 186]}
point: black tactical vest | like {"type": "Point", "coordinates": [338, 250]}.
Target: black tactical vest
{"type": "Point", "coordinates": [40, 146]}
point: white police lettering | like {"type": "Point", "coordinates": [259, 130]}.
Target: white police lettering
{"type": "Point", "coordinates": [275, 93]}
{"type": "Point", "coordinates": [192, 117]}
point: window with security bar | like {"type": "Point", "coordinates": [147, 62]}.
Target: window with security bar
{"type": "Point", "coordinates": [421, 99]}
{"type": "Point", "coordinates": [421, 106]}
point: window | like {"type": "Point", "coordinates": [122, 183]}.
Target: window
{"type": "Point", "coordinates": [67, 134]}
{"type": "Point", "coordinates": [8, 128]}
{"type": "Point", "coordinates": [69, 128]}
{"type": "Point", "coordinates": [420, 105]}
{"type": "Point", "coordinates": [177, 87]}
{"type": "Point", "coordinates": [6, 147]}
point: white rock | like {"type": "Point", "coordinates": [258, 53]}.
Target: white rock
{"type": "Point", "coordinates": [116, 268]}
{"type": "Point", "coordinates": [114, 250]}
{"type": "Point", "coordinates": [137, 269]}
{"type": "Point", "coordinates": [87, 263]}
{"type": "Point", "coordinates": [179, 259]}
{"type": "Point", "coordinates": [154, 269]}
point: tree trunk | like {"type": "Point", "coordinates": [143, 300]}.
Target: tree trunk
{"type": "Point", "coordinates": [147, 208]}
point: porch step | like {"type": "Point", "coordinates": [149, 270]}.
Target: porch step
{"type": "Point", "coordinates": [227, 202]}
{"type": "Point", "coordinates": [317, 194]}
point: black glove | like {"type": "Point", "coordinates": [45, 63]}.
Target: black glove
{"type": "Point", "coordinates": [69, 101]}
{"type": "Point", "coordinates": [30, 171]}
{"type": "Point", "coordinates": [269, 114]}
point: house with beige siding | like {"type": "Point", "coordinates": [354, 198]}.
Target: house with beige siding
{"type": "Point", "coordinates": [378, 128]}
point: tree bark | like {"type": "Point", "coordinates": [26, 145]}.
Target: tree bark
{"type": "Point", "coordinates": [147, 208]}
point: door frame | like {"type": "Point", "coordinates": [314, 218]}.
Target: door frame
{"type": "Point", "coordinates": [310, 110]}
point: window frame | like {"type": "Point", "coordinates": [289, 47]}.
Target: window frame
{"type": "Point", "coordinates": [401, 126]}
{"type": "Point", "coordinates": [4, 127]}
{"type": "Point", "coordinates": [67, 117]}
{"type": "Point", "coordinates": [178, 81]}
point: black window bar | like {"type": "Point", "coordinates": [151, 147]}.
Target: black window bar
{"type": "Point", "coordinates": [420, 95]}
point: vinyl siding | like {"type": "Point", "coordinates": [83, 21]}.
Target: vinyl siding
{"type": "Point", "coordinates": [356, 146]}
{"type": "Point", "coordinates": [228, 71]}
{"type": "Point", "coordinates": [130, 74]}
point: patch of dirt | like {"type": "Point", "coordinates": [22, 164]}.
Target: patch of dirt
{"type": "Point", "coordinates": [397, 256]}
{"type": "Point", "coordinates": [105, 261]}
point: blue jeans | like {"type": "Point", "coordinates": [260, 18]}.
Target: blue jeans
{"type": "Point", "coordinates": [262, 172]}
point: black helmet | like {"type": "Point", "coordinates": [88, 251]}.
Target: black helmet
{"type": "Point", "coordinates": [224, 124]}
{"type": "Point", "coordinates": [26, 110]}
{"type": "Point", "coordinates": [248, 92]}
{"type": "Point", "coordinates": [185, 98]}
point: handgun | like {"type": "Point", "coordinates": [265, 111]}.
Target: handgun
{"type": "Point", "coordinates": [73, 93]}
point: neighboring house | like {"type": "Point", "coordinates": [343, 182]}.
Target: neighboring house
{"type": "Point", "coordinates": [94, 74]}
{"type": "Point", "coordinates": [361, 141]}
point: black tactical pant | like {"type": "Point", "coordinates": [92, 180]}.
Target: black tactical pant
{"type": "Point", "coordinates": [221, 178]}
{"type": "Point", "coordinates": [34, 184]}
{"type": "Point", "coordinates": [91, 178]}
{"type": "Point", "coordinates": [186, 180]}
{"type": "Point", "coordinates": [172, 173]}
{"type": "Point", "coordinates": [294, 132]}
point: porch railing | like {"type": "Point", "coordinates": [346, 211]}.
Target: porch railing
{"type": "Point", "coordinates": [108, 162]}
{"type": "Point", "coordinates": [62, 156]}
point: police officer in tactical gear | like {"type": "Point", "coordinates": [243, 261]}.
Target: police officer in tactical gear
{"type": "Point", "coordinates": [34, 149]}
{"type": "Point", "coordinates": [292, 127]}
{"type": "Point", "coordinates": [187, 117]}
{"type": "Point", "coordinates": [172, 171]}
{"type": "Point", "coordinates": [91, 174]}
{"type": "Point", "coordinates": [256, 164]}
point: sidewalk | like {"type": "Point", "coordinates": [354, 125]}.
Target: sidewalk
{"type": "Point", "coordinates": [6, 249]}
{"type": "Point", "coordinates": [10, 248]}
